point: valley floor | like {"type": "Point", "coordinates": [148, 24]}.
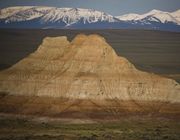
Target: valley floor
{"type": "Point", "coordinates": [146, 128]}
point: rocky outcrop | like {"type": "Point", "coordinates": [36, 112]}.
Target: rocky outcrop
{"type": "Point", "coordinates": [86, 68]}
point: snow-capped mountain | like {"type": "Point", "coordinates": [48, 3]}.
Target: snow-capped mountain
{"type": "Point", "coordinates": [128, 17]}
{"type": "Point", "coordinates": [78, 18]}
{"type": "Point", "coordinates": [153, 16]}
{"type": "Point", "coordinates": [47, 15]}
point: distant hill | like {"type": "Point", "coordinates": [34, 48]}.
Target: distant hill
{"type": "Point", "coordinates": [78, 18]}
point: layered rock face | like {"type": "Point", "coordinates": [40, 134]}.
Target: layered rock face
{"type": "Point", "coordinates": [86, 68]}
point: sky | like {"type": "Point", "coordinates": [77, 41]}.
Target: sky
{"type": "Point", "coordinates": [113, 7]}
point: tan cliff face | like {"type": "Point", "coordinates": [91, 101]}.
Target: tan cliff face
{"type": "Point", "coordinates": [86, 68]}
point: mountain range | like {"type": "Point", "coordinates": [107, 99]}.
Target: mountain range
{"type": "Point", "coordinates": [78, 18]}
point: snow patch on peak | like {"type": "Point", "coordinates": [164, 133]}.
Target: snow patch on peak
{"type": "Point", "coordinates": [73, 15]}
{"type": "Point", "coordinates": [153, 16]}
{"type": "Point", "coordinates": [52, 14]}
{"type": "Point", "coordinates": [128, 17]}
{"type": "Point", "coordinates": [154, 11]}
{"type": "Point", "coordinates": [176, 15]}
{"type": "Point", "coordinates": [7, 12]}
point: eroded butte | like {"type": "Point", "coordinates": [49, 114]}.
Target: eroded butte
{"type": "Point", "coordinates": [83, 78]}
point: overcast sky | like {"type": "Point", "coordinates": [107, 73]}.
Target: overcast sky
{"type": "Point", "coordinates": [114, 7]}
